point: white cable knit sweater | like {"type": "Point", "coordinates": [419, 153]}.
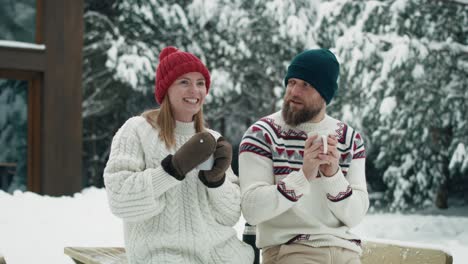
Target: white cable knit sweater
{"type": "Point", "coordinates": [167, 220]}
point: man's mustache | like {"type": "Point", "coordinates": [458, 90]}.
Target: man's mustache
{"type": "Point", "coordinates": [295, 99]}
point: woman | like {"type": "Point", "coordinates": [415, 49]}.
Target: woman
{"type": "Point", "coordinates": [172, 211]}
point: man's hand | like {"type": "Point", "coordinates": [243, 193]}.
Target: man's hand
{"type": "Point", "coordinates": [311, 161]}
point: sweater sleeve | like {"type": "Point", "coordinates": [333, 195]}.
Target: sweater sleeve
{"type": "Point", "coordinates": [347, 196]}
{"type": "Point", "coordinates": [225, 200]}
{"type": "Point", "coordinates": [262, 199]}
{"type": "Point", "coordinates": [134, 192]}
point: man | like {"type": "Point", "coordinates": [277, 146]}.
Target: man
{"type": "Point", "coordinates": [304, 196]}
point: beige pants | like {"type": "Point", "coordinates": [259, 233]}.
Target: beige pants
{"type": "Point", "coordinates": [302, 254]}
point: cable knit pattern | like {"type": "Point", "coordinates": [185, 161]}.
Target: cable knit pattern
{"type": "Point", "coordinates": [167, 220]}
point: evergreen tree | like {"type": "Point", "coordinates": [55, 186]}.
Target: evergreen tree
{"type": "Point", "coordinates": [402, 83]}
{"type": "Point", "coordinates": [107, 100]}
{"type": "Point", "coordinates": [16, 23]}
{"type": "Point", "coordinates": [17, 20]}
{"type": "Point", "coordinates": [14, 130]}
{"type": "Point", "coordinates": [266, 42]}
{"type": "Point", "coordinates": [245, 44]}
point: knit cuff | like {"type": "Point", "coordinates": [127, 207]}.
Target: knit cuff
{"type": "Point", "coordinates": [162, 181]}
{"type": "Point", "coordinates": [294, 186]}
{"type": "Point", "coordinates": [167, 165]}
{"type": "Point", "coordinates": [336, 187]}
{"type": "Point", "coordinates": [220, 192]}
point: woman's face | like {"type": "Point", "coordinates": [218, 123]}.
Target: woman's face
{"type": "Point", "coordinates": [187, 95]}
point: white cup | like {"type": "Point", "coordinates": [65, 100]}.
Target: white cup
{"type": "Point", "coordinates": [207, 164]}
{"type": "Point", "coordinates": [322, 136]}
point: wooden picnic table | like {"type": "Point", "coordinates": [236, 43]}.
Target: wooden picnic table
{"type": "Point", "coordinates": [387, 253]}
{"type": "Point", "coordinates": [97, 255]}
{"type": "Point", "coordinates": [373, 252]}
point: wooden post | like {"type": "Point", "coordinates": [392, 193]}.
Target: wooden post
{"type": "Point", "coordinates": [60, 102]}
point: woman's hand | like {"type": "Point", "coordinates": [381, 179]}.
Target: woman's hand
{"type": "Point", "coordinates": [222, 160]}
{"type": "Point", "coordinates": [195, 151]}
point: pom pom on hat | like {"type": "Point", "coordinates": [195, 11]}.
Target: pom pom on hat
{"type": "Point", "coordinates": [172, 64]}
{"type": "Point", "coordinates": [166, 51]}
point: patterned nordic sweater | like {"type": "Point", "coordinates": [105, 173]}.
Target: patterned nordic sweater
{"type": "Point", "coordinates": [167, 220]}
{"type": "Point", "coordinates": [285, 206]}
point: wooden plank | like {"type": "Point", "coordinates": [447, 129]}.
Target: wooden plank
{"type": "Point", "coordinates": [39, 21]}
{"type": "Point", "coordinates": [384, 253]}
{"type": "Point", "coordinates": [22, 59]}
{"type": "Point", "coordinates": [18, 75]}
{"type": "Point", "coordinates": [97, 255]}
{"type": "Point", "coordinates": [34, 134]}
{"type": "Point", "coordinates": [373, 252]}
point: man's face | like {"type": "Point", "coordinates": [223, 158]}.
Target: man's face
{"type": "Point", "coordinates": [301, 103]}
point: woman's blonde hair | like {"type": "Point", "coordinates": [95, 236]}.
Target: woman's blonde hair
{"type": "Point", "coordinates": [163, 120]}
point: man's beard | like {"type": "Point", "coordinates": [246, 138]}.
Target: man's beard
{"type": "Point", "coordinates": [294, 118]}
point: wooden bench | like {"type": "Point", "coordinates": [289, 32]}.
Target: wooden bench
{"type": "Point", "coordinates": [373, 252]}
{"type": "Point", "coordinates": [97, 255]}
{"type": "Point", "coordinates": [396, 252]}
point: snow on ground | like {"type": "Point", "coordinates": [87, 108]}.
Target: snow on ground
{"type": "Point", "coordinates": [35, 229]}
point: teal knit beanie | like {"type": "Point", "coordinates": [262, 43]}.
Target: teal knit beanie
{"type": "Point", "coordinates": [319, 68]}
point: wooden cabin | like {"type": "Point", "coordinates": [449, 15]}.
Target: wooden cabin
{"type": "Point", "coordinates": [52, 66]}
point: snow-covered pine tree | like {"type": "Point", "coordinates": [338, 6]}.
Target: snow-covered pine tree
{"type": "Point", "coordinates": [267, 36]}
{"type": "Point", "coordinates": [17, 20]}
{"type": "Point", "coordinates": [16, 23]}
{"type": "Point", "coordinates": [107, 101]}
{"type": "Point", "coordinates": [244, 43]}
{"type": "Point", "coordinates": [122, 41]}
{"type": "Point", "coordinates": [403, 83]}
{"type": "Point", "coordinates": [14, 129]}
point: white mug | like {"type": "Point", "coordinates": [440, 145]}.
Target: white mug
{"type": "Point", "coordinates": [207, 164]}
{"type": "Point", "coordinates": [321, 136]}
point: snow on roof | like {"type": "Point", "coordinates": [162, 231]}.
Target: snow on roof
{"type": "Point", "coordinates": [21, 45]}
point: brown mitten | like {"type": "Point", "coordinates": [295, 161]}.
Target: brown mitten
{"type": "Point", "coordinates": [222, 160]}
{"type": "Point", "coordinates": [195, 151]}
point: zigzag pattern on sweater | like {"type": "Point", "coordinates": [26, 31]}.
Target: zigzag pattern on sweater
{"type": "Point", "coordinates": [341, 195]}
{"type": "Point", "coordinates": [289, 134]}
{"type": "Point", "coordinates": [297, 238]}
{"type": "Point", "coordinates": [286, 147]}
{"type": "Point", "coordinates": [248, 147]}
{"type": "Point", "coordinates": [266, 139]}
{"type": "Point", "coordinates": [288, 193]}
{"type": "Point", "coordinates": [283, 170]}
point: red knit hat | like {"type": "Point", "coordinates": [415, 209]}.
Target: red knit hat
{"type": "Point", "coordinates": [172, 64]}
